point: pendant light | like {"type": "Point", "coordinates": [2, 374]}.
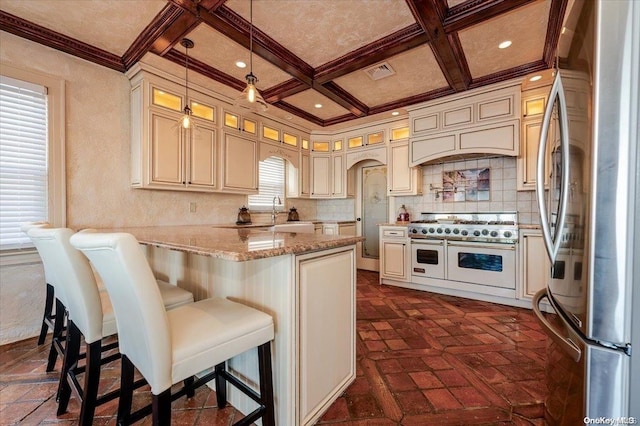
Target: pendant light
{"type": "Point", "coordinates": [186, 121]}
{"type": "Point", "coordinates": [250, 97]}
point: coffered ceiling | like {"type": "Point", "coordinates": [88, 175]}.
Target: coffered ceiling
{"type": "Point", "coordinates": [308, 52]}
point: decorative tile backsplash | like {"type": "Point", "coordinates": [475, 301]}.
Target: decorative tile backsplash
{"type": "Point", "coordinates": [503, 195]}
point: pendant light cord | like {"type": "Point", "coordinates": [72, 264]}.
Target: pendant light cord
{"type": "Point", "coordinates": [251, 37]}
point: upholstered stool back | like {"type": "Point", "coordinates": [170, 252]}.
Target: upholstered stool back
{"type": "Point", "coordinates": [74, 275]}
{"type": "Point", "coordinates": [136, 301]}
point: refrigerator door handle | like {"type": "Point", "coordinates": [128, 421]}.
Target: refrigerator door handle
{"type": "Point", "coordinates": [552, 242]}
{"type": "Point", "coordinates": [565, 343]}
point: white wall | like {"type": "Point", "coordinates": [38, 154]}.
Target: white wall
{"type": "Point", "coordinates": [97, 173]}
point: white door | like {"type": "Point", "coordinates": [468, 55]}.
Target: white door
{"type": "Point", "coordinates": [371, 210]}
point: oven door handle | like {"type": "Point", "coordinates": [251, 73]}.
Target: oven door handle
{"type": "Point", "coordinates": [422, 241]}
{"type": "Point", "coordinates": [476, 245]}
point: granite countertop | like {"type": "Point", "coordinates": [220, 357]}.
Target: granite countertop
{"type": "Point", "coordinates": [267, 225]}
{"type": "Point", "coordinates": [234, 244]}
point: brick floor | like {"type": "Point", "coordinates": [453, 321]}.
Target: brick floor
{"type": "Point", "coordinates": [423, 359]}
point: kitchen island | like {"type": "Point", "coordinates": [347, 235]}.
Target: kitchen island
{"type": "Point", "coordinates": [306, 282]}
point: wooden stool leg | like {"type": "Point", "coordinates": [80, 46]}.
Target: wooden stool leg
{"type": "Point", "coordinates": [161, 408]}
{"type": "Point", "coordinates": [126, 390]}
{"type": "Point", "coordinates": [188, 384]}
{"type": "Point", "coordinates": [48, 314]}
{"type": "Point", "coordinates": [71, 354]}
{"type": "Point", "coordinates": [221, 386]}
{"type": "Point", "coordinates": [266, 383]}
{"type": "Point", "coordinates": [91, 382]}
{"type": "Point", "coordinates": [58, 327]}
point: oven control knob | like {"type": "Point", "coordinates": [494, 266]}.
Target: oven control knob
{"type": "Point", "coordinates": [476, 233]}
{"type": "Point", "coordinates": [415, 231]}
{"type": "Point", "coordinates": [447, 231]}
{"type": "Point", "coordinates": [494, 233]}
{"type": "Point", "coordinates": [507, 234]}
{"type": "Point", "coordinates": [424, 231]}
{"type": "Point", "coordinates": [439, 230]}
{"type": "Point", "coordinates": [464, 232]}
{"type": "Point", "coordinates": [432, 230]}
{"type": "Point", "coordinates": [485, 232]}
{"type": "Point", "coordinates": [456, 231]}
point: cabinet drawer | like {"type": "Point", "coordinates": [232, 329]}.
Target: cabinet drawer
{"type": "Point", "coordinates": [394, 233]}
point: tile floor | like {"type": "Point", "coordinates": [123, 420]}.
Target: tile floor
{"type": "Point", "coordinates": [422, 359]}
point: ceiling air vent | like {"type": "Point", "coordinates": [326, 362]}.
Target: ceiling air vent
{"type": "Point", "coordinates": [380, 71]}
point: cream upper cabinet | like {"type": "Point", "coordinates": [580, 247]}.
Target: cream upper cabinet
{"type": "Point", "coordinates": [239, 164]}
{"type": "Point", "coordinates": [164, 155]}
{"type": "Point", "coordinates": [338, 173]}
{"type": "Point", "coordinates": [480, 121]}
{"type": "Point", "coordinates": [402, 179]}
{"type": "Point", "coordinates": [233, 121]}
{"type": "Point", "coordinates": [534, 102]}
{"type": "Point", "coordinates": [535, 266]}
{"type": "Point", "coordinates": [321, 177]}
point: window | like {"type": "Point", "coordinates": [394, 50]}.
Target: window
{"type": "Point", "coordinates": [271, 185]}
{"type": "Point", "coordinates": [31, 153]}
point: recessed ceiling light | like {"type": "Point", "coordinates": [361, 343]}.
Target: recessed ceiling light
{"type": "Point", "coordinates": [395, 113]}
{"type": "Point", "coordinates": [289, 117]}
{"type": "Point", "coordinates": [241, 64]}
{"type": "Point", "coordinates": [505, 44]}
{"type": "Point", "coordinates": [535, 78]}
{"type": "Point", "coordinates": [318, 105]}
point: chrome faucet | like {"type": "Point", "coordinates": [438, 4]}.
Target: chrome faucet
{"type": "Point", "coordinates": [274, 213]}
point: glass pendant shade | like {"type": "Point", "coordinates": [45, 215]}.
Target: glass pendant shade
{"type": "Point", "coordinates": [186, 120]}
{"type": "Point", "coordinates": [250, 97]}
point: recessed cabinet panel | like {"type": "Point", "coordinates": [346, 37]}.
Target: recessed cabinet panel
{"type": "Point", "coordinates": [457, 116]}
{"type": "Point", "coordinates": [393, 260]}
{"type": "Point", "coordinates": [202, 152]}
{"type": "Point", "coordinates": [339, 172]}
{"type": "Point", "coordinates": [426, 123]}
{"type": "Point", "coordinates": [166, 150]}
{"type": "Point", "coordinates": [305, 187]}
{"type": "Point", "coordinates": [495, 109]}
{"type": "Point", "coordinates": [491, 139]}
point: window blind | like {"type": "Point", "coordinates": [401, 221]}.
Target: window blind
{"type": "Point", "coordinates": [271, 184]}
{"type": "Point", "coordinates": [23, 159]}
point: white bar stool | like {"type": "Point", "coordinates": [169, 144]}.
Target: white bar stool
{"type": "Point", "coordinates": [168, 346]}
{"type": "Point", "coordinates": [90, 315]}
{"type": "Point", "coordinates": [50, 320]}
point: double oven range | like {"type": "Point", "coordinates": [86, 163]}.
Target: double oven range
{"type": "Point", "coordinates": [465, 251]}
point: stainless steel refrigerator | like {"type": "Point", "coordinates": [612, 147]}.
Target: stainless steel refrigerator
{"type": "Point", "coordinates": [590, 217]}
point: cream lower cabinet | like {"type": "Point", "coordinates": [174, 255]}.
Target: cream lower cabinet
{"type": "Point", "coordinates": [394, 253]}
{"type": "Point", "coordinates": [339, 229]}
{"type": "Point", "coordinates": [327, 330]}
{"type": "Point", "coordinates": [239, 164]}
{"type": "Point", "coordinates": [402, 179]}
{"type": "Point", "coordinates": [535, 266]}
